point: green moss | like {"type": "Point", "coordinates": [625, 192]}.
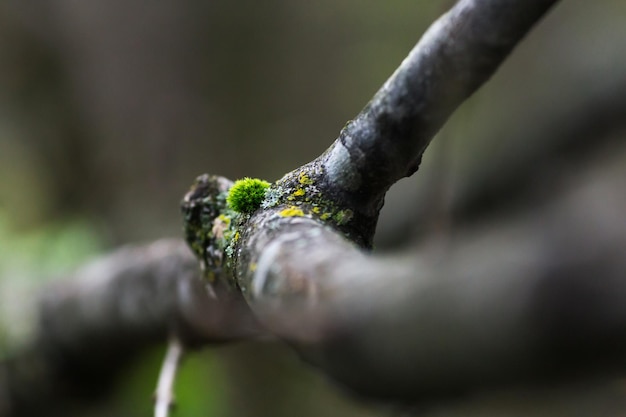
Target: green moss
{"type": "Point", "coordinates": [247, 194]}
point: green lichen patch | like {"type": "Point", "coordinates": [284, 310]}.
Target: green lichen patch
{"type": "Point", "coordinates": [247, 194]}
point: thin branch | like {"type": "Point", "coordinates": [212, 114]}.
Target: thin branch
{"type": "Point", "coordinates": [164, 394]}
{"type": "Point", "coordinates": [564, 137]}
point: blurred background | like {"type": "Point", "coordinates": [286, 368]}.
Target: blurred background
{"type": "Point", "coordinates": [109, 109]}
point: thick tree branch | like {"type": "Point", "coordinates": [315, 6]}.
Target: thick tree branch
{"type": "Point", "coordinates": [530, 300]}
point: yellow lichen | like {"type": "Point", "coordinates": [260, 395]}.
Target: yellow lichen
{"type": "Point", "coordinates": [291, 211]}
{"type": "Point", "coordinates": [305, 179]}
{"type": "Point", "coordinates": [224, 218]}
{"type": "Point", "coordinates": [316, 210]}
{"type": "Point", "coordinates": [299, 192]}
{"type": "Point", "coordinates": [325, 216]}
{"type": "Point", "coordinates": [236, 237]}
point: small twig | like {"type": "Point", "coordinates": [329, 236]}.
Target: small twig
{"type": "Point", "coordinates": [164, 394]}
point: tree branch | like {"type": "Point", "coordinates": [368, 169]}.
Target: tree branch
{"type": "Point", "coordinates": [459, 52]}
{"type": "Point", "coordinates": [535, 299]}
{"type": "Point", "coordinates": [110, 311]}
{"type": "Point", "coordinates": [364, 319]}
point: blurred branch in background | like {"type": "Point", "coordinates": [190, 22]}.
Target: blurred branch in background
{"type": "Point", "coordinates": [93, 324]}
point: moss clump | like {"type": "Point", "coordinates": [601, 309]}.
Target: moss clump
{"type": "Point", "coordinates": [247, 194]}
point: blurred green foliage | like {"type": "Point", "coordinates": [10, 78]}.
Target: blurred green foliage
{"type": "Point", "coordinates": [30, 259]}
{"type": "Point", "coordinates": [199, 389]}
